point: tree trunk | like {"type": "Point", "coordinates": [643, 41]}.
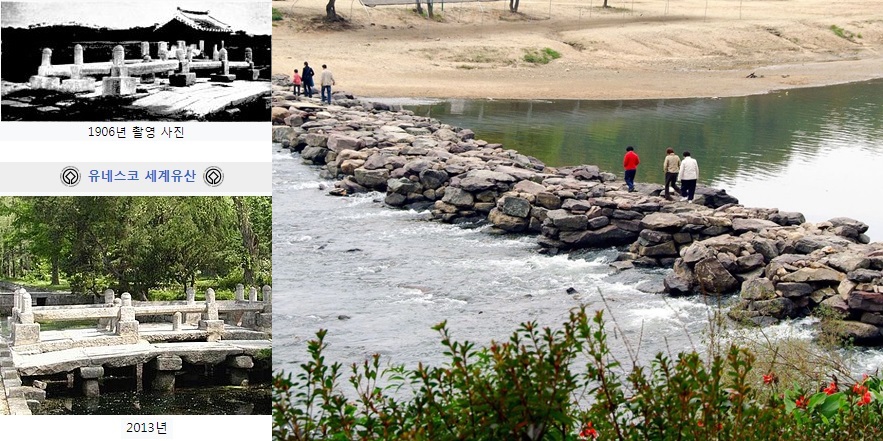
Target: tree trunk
{"type": "Point", "coordinates": [330, 12]}
{"type": "Point", "coordinates": [429, 8]}
{"type": "Point", "coordinates": [55, 280]}
{"type": "Point", "coordinates": [605, 4]}
{"type": "Point", "coordinates": [249, 241]}
{"type": "Point", "coordinates": [513, 5]}
{"type": "Point", "coordinates": [419, 8]}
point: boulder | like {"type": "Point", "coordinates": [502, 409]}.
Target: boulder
{"type": "Point", "coordinates": [749, 262]}
{"type": "Point", "coordinates": [314, 154]}
{"type": "Point", "coordinates": [660, 250]}
{"type": "Point", "coordinates": [793, 289]}
{"type": "Point", "coordinates": [529, 187]}
{"type": "Point", "coordinates": [506, 222]}
{"type": "Point", "coordinates": [663, 221]}
{"type": "Point", "coordinates": [676, 285]}
{"type": "Point", "coordinates": [548, 200]}
{"type": "Point", "coordinates": [814, 275]}
{"type": "Point", "coordinates": [779, 307]}
{"type": "Point", "coordinates": [863, 275]}
{"type": "Point", "coordinates": [695, 252]}
{"type": "Point", "coordinates": [758, 289]}
{"type": "Point", "coordinates": [372, 178]}
{"type": "Point", "coordinates": [479, 180]}
{"type": "Point", "coordinates": [566, 221]}
{"type": "Point", "coordinates": [598, 222]}
{"type": "Point", "coordinates": [653, 236]}
{"type": "Point", "coordinates": [403, 186]}
{"type": "Point", "coordinates": [713, 278]}
{"type": "Point", "coordinates": [715, 197]}
{"type": "Point", "coordinates": [836, 304]}
{"type": "Point", "coordinates": [745, 225]}
{"type": "Point", "coordinates": [787, 218]}
{"type": "Point", "coordinates": [433, 179]}
{"type": "Point", "coordinates": [337, 142]}
{"type": "Point", "coordinates": [395, 199]}
{"type": "Point", "coordinates": [603, 237]}
{"type": "Point", "coordinates": [866, 301]}
{"type": "Point", "coordinates": [859, 226]}
{"type": "Point", "coordinates": [576, 205]}
{"type": "Point", "coordinates": [766, 247]}
{"type": "Point", "coordinates": [872, 318]}
{"type": "Point", "coordinates": [848, 262]}
{"type": "Point", "coordinates": [514, 206]}
{"type": "Point", "coordinates": [458, 197]}
{"type": "Point", "coordinates": [860, 333]}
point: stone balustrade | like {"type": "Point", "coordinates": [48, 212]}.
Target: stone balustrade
{"type": "Point", "coordinates": [120, 74]}
{"type": "Point", "coordinates": [118, 315]}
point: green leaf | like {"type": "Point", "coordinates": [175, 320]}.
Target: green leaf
{"type": "Point", "coordinates": [832, 404]}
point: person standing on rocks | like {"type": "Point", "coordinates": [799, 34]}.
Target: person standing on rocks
{"type": "Point", "coordinates": [630, 164]}
{"type": "Point", "coordinates": [671, 167]}
{"type": "Point", "coordinates": [327, 82]}
{"type": "Point", "coordinates": [307, 78]}
{"type": "Point", "coordinates": [297, 80]}
{"type": "Point", "coordinates": [688, 175]}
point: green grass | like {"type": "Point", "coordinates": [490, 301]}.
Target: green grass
{"type": "Point", "coordinates": [843, 33]}
{"type": "Point", "coordinates": [543, 56]}
{"type": "Point", "coordinates": [277, 15]}
{"type": "Point", "coordinates": [264, 354]}
{"type": "Point", "coordinates": [63, 285]}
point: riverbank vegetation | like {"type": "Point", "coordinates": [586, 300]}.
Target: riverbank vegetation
{"type": "Point", "coordinates": [152, 247]}
{"type": "Point", "coordinates": [565, 384]}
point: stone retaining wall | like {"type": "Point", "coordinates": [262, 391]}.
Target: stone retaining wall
{"type": "Point", "coordinates": [783, 266]}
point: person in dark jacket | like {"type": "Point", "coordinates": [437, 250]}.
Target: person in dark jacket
{"type": "Point", "coordinates": [307, 78]}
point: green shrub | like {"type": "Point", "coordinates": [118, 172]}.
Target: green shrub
{"type": "Point", "coordinates": [543, 56]}
{"type": "Point", "coordinates": [564, 384]}
{"type": "Point", "coordinates": [277, 15]}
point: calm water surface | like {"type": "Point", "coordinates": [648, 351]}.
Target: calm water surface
{"type": "Point", "coordinates": [817, 150]}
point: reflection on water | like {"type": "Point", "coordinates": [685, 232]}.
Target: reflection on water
{"type": "Point", "coordinates": [813, 150]}
{"type": "Point", "coordinates": [199, 401]}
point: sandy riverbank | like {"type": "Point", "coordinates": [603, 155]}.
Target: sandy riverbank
{"type": "Point", "coordinates": [639, 49]}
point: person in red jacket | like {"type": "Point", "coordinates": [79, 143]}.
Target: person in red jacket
{"type": "Point", "coordinates": [630, 164]}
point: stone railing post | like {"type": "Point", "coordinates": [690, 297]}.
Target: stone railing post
{"type": "Point", "coordinates": [183, 77]}
{"type": "Point", "coordinates": [249, 57]}
{"type": "Point", "coordinates": [264, 320]}
{"type": "Point", "coordinates": [145, 49]}
{"type": "Point", "coordinates": [163, 52]}
{"type": "Point", "coordinates": [250, 74]}
{"type": "Point", "coordinates": [119, 83]}
{"type": "Point", "coordinates": [107, 323]}
{"type": "Point", "coordinates": [202, 48]}
{"type": "Point", "coordinates": [252, 295]}
{"type": "Point", "coordinates": [192, 318]}
{"type": "Point", "coordinates": [210, 321]}
{"type": "Point", "coordinates": [240, 292]}
{"type": "Point", "coordinates": [224, 76]}
{"type": "Point", "coordinates": [25, 331]}
{"type": "Point", "coordinates": [216, 56]}
{"type": "Point", "coordinates": [127, 327]}
{"type": "Point", "coordinates": [42, 80]}
{"type": "Point", "coordinates": [77, 83]}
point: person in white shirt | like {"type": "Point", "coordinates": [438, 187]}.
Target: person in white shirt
{"type": "Point", "coordinates": [688, 175]}
{"type": "Point", "coordinates": [327, 82]}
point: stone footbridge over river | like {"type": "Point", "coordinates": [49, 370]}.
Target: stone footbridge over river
{"type": "Point", "coordinates": [137, 345]}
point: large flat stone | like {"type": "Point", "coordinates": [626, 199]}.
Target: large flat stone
{"type": "Point", "coordinates": [814, 275]}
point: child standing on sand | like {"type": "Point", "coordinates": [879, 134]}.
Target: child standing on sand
{"type": "Point", "coordinates": [297, 82]}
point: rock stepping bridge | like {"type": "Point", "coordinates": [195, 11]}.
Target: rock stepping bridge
{"type": "Point", "coordinates": [782, 265]}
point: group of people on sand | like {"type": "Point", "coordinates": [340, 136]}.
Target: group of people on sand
{"type": "Point", "coordinates": [675, 169]}
{"type": "Point", "coordinates": [304, 80]}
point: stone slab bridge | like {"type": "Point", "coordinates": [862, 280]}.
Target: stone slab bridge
{"type": "Point", "coordinates": [121, 75]}
{"type": "Point", "coordinates": [217, 337]}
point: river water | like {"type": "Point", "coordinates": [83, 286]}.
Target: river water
{"type": "Point", "coordinates": [815, 150]}
{"type": "Point", "coordinates": [378, 279]}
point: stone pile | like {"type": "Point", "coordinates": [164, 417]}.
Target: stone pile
{"type": "Point", "coordinates": [782, 265]}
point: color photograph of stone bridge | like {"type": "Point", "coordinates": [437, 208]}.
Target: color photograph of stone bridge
{"type": "Point", "coordinates": [148, 345]}
{"type": "Point", "coordinates": [88, 65]}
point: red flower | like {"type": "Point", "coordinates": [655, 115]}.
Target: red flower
{"type": "Point", "coordinates": [769, 378]}
{"type": "Point", "coordinates": [801, 402]}
{"type": "Point", "coordinates": [831, 389]}
{"type": "Point", "coordinates": [858, 389]}
{"type": "Point", "coordinates": [588, 432]}
{"type": "Point", "coordinates": [865, 399]}
{"type": "Point", "coordinates": [700, 423]}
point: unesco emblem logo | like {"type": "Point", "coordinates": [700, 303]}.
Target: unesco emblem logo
{"type": "Point", "coordinates": [70, 176]}
{"type": "Point", "coordinates": [213, 176]}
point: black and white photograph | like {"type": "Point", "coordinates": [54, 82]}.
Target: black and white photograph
{"type": "Point", "coordinates": [135, 61]}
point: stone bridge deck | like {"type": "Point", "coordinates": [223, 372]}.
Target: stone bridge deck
{"type": "Point", "coordinates": [133, 354]}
